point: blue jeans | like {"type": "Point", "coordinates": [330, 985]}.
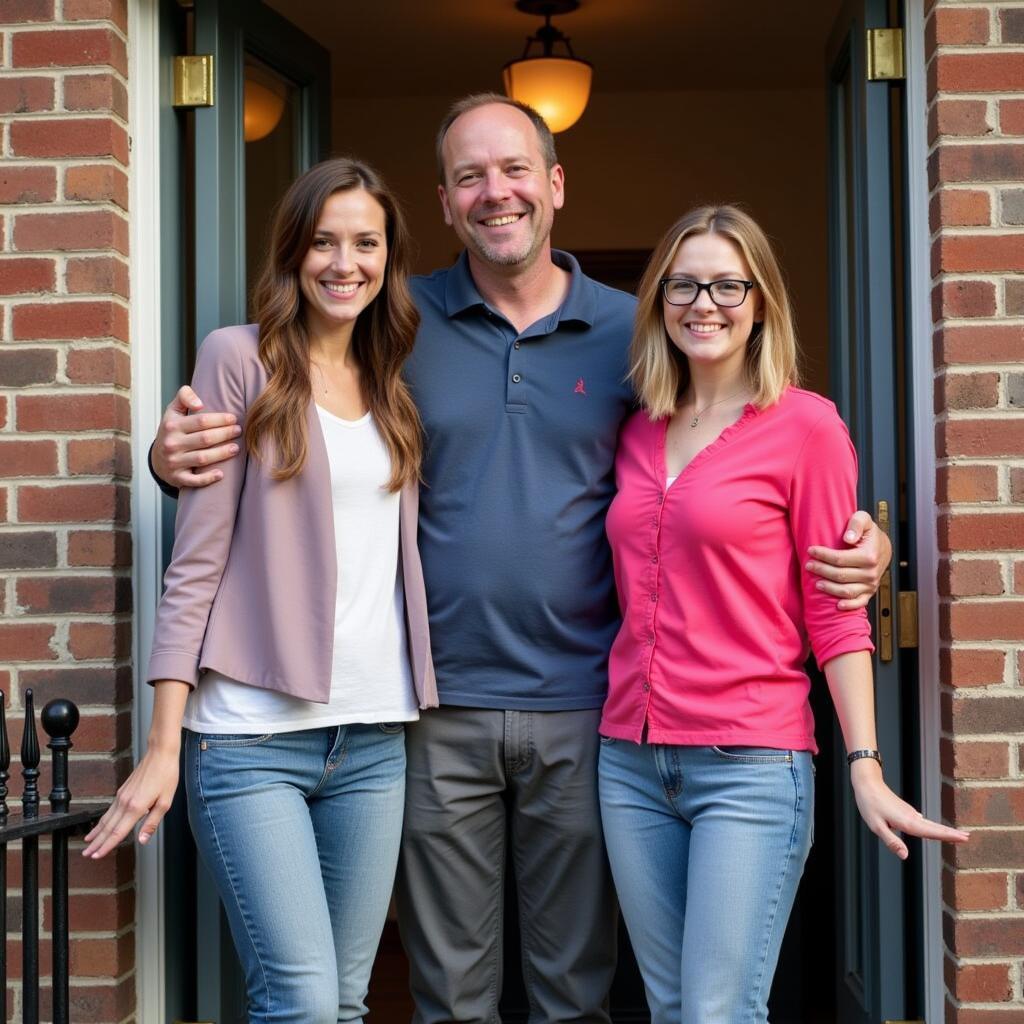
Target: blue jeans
{"type": "Point", "coordinates": [707, 846]}
{"type": "Point", "coordinates": [300, 831]}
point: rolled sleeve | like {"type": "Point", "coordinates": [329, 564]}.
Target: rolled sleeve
{"type": "Point", "coordinates": [823, 495]}
{"type": "Point", "coordinates": [204, 524]}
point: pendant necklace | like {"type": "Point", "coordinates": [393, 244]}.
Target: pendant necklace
{"type": "Point", "coordinates": [700, 412]}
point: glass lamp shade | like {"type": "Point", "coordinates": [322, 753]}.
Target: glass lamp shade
{"type": "Point", "coordinates": [263, 110]}
{"type": "Point", "coordinates": [556, 87]}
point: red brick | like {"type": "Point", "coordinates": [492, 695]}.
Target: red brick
{"type": "Point", "coordinates": [100, 548]}
{"type": "Point", "coordinates": [27, 641]}
{"type": "Point", "coordinates": [97, 274]}
{"type": "Point", "coordinates": [93, 640]}
{"type": "Point", "coordinates": [27, 185]}
{"type": "Point", "coordinates": [81, 136]}
{"type": "Point", "coordinates": [1016, 484]}
{"type": "Point", "coordinates": [984, 805]}
{"type": "Point", "coordinates": [974, 760]}
{"type": "Point", "coordinates": [965, 666]}
{"type": "Point", "coordinates": [106, 456]}
{"type": "Point", "coordinates": [986, 620]}
{"type": "Point", "coordinates": [959, 208]}
{"type": "Point", "coordinates": [979, 72]}
{"type": "Point", "coordinates": [96, 595]}
{"type": "Point", "coordinates": [979, 344]}
{"type": "Point", "coordinates": [99, 366]}
{"type": "Point", "coordinates": [23, 549]}
{"type": "Point", "coordinates": [991, 848]}
{"type": "Point", "coordinates": [980, 438]}
{"type": "Point", "coordinates": [73, 412]}
{"type": "Point", "coordinates": [102, 958]}
{"type": "Point", "coordinates": [981, 891]}
{"type": "Point", "coordinates": [958, 118]}
{"type": "Point", "coordinates": [94, 912]}
{"type": "Point", "coordinates": [976, 163]}
{"type": "Point", "coordinates": [67, 232]}
{"type": "Point", "coordinates": [105, 733]}
{"type": "Point", "coordinates": [101, 685]}
{"type": "Point", "coordinates": [970, 577]}
{"type": "Point", "coordinates": [20, 367]}
{"type": "Point", "coordinates": [14, 11]}
{"type": "Point", "coordinates": [97, 183]}
{"type": "Point", "coordinates": [963, 298]}
{"type": "Point", "coordinates": [73, 503]}
{"type": "Point", "coordinates": [69, 320]}
{"type": "Point", "coordinates": [96, 92]}
{"type": "Point", "coordinates": [1011, 117]}
{"type": "Point", "coordinates": [21, 276]}
{"type": "Point", "coordinates": [1011, 25]}
{"type": "Point", "coordinates": [983, 937]}
{"type": "Point", "coordinates": [979, 714]}
{"type": "Point", "coordinates": [25, 95]}
{"type": "Point", "coordinates": [966, 483]}
{"type": "Point", "coordinates": [959, 254]}
{"type": "Point", "coordinates": [957, 27]}
{"type": "Point", "coordinates": [967, 391]}
{"type": "Point", "coordinates": [28, 458]}
{"type": "Point", "coordinates": [97, 1004]}
{"type": "Point", "coordinates": [980, 983]}
{"type": "Point", "coordinates": [1018, 577]}
{"type": "Point", "coordinates": [97, 10]}
{"type": "Point", "coordinates": [69, 48]}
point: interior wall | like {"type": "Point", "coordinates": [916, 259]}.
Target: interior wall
{"type": "Point", "coordinates": [635, 162]}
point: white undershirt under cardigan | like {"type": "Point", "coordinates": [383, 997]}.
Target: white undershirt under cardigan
{"type": "Point", "coordinates": [371, 679]}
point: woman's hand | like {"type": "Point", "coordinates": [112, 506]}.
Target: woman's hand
{"type": "Point", "coordinates": [886, 814]}
{"type": "Point", "coordinates": [146, 793]}
{"type": "Point", "coordinates": [854, 573]}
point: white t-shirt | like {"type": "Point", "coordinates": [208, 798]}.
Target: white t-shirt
{"type": "Point", "coordinates": [371, 680]}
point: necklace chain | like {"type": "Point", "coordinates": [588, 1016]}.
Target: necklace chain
{"type": "Point", "coordinates": [700, 412]}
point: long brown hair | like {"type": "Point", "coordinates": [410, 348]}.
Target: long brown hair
{"type": "Point", "coordinates": [658, 370]}
{"type": "Point", "coordinates": [381, 341]}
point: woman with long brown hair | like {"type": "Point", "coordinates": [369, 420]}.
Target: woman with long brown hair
{"type": "Point", "coordinates": [291, 641]}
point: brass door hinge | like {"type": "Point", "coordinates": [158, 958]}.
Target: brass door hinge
{"type": "Point", "coordinates": [883, 600]}
{"type": "Point", "coordinates": [193, 81]}
{"type": "Point", "coordinates": [885, 54]}
{"type": "Point", "coordinates": [908, 622]}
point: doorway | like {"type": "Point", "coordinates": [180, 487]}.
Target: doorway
{"type": "Point", "coordinates": [672, 122]}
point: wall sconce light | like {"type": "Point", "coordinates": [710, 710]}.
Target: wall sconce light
{"type": "Point", "coordinates": [557, 87]}
{"type": "Point", "coordinates": [263, 103]}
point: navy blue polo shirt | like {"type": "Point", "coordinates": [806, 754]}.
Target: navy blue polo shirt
{"type": "Point", "coordinates": [518, 472]}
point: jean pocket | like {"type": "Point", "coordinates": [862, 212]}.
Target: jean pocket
{"type": "Point", "coordinates": [607, 741]}
{"type": "Point", "coordinates": [754, 755]}
{"type": "Point", "coordinates": [211, 741]}
{"type": "Point", "coordinates": [391, 727]}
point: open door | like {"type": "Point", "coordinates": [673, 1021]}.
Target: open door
{"type": "Point", "coordinates": [227, 165]}
{"type": "Point", "coordinates": [866, 330]}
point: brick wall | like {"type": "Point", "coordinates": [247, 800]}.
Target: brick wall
{"type": "Point", "coordinates": [65, 550]}
{"type": "Point", "coordinates": [976, 172]}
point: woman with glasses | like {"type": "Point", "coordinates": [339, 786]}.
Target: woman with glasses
{"type": "Point", "coordinates": [291, 640]}
{"type": "Point", "coordinates": [725, 477]}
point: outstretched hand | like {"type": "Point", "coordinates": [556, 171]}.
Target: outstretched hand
{"type": "Point", "coordinates": [190, 440]}
{"type": "Point", "coordinates": [888, 815]}
{"type": "Point", "coordinates": [852, 574]}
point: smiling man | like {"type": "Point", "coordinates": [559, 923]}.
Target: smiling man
{"type": "Point", "coordinates": [519, 373]}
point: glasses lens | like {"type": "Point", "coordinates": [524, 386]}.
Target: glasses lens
{"type": "Point", "coordinates": [728, 293]}
{"type": "Point", "coordinates": [680, 293]}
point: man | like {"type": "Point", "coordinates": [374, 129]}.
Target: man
{"type": "Point", "coordinates": [519, 374]}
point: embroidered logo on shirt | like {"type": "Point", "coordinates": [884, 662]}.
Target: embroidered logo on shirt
{"type": "Point", "coordinates": [581, 388]}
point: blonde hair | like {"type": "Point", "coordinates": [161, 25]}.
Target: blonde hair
{"type": "Point", "coordinates": [658, 370]}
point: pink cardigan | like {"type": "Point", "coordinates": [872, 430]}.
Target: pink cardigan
{"type": "Point", "coordinates": [251, 587]}
{"type": "Point", "coordinates": [718, 610]}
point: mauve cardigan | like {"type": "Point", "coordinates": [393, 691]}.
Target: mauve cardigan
{"type": "Point", "coordinates": [251, 587]}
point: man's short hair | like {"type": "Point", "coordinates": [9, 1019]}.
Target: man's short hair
{"type": "Point", "coordinates": [484, 99]}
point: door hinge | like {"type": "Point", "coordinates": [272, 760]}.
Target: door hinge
{"type": "Point", "coordinates": [908, 622]}
{"type": "Point", "coordinates": [193, 81]}
{"type": "Point", "coordinates": [883, 601]}
{"type": "Point", "coordinates": [885, 54]}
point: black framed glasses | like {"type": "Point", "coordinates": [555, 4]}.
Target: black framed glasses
{"type": "Point", "coordinates": [681, 291]}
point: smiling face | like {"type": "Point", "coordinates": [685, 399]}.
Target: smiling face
{"type": "Point", "coordinates": [707, 334]}
{"type": "Point", "coordinates": [343, 269]}
{"type": "Point", "coordinates": [498, 195]}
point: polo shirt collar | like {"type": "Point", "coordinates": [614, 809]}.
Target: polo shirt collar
{"type": "Point", "coordinates": [580, 303]}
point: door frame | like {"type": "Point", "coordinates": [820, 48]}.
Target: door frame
{"type": "Point", "coordinates": [147, 407]}
{"type": "Point", "coordinates": [921, 370]}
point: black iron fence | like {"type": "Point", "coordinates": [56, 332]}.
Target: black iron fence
{"type": "Point", "coordinates": [60, 719]}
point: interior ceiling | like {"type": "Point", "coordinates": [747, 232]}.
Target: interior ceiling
{"type": "Point", "coordinates": [449, 47]}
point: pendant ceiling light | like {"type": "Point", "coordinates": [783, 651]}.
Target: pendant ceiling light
{"type": "Point", "coordinates": [263, 103]}
{"type": "Point", "coordinates": [558, 87]}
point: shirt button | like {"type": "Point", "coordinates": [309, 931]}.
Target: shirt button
{"type": "Point", "coordinates": [654, 559]}
{"type": "Point", "coordinates": [646, 687]}
{"type": "Point", "coordinates": [654, 597]}
{"type": "Point", "coordinates": [650, 641]}
{"type": "Point", "coordinates": [516, 345]}
{"type": "Point", "coordinates": [661, 498]}
{"type": "Point", "coordinates": [516, 378]}
{"type": "Point", "coordinates": [654, 520]}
